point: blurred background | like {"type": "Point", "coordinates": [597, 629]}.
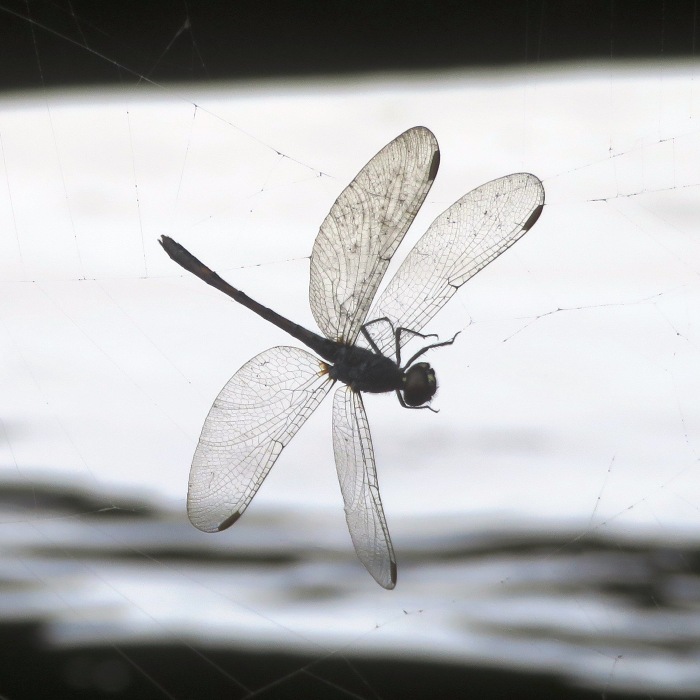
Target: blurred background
{"type": "Point", "coordinates": [545, 521]}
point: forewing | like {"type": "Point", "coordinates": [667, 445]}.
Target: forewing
{"type": "Point", "coordinates": [256, 414]}
{"type": "Point", "coordinates": [364, 228]}
{"type": "Point", "coordinates": [354, 459]}
{"type": "Point", "coordinates": [465, 238]}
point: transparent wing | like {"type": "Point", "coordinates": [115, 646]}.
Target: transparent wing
{"type": "Point", "coordinates": [363, 229]}
{"type": "Point", "coordinates": [256, 414]}
{"type": "Point", "coordinates": [465, 238]}
{"type": "Point", "coordinates": [354, 459]}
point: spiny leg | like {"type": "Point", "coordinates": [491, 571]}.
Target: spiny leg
{"type": "Point", "coordinates": [430, 347]}
{"type": "Point", "coordinates": [368, 337]}
{"type": "Point", "coordinates": [397, 332]}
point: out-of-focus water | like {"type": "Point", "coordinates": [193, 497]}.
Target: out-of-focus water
{"type": "Point", "coordinates": [602, 612]}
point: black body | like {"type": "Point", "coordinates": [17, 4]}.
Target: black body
{"type": "Point", "coordinates": [358, 367]}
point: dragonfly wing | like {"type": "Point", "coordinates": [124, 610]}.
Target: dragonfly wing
{"type": "Point", "coordinates": [364, 228]}
{"type": "Point", "coordinates": [256, 414]}
{"type": "Point", "coordinates": [354, 459]}
{"type": "Point", "coordinates": [464, 239]}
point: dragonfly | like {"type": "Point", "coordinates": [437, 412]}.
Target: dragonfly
{"type": "Point", "coordinates": [269, 398]}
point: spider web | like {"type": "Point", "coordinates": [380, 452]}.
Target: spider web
{"type": "Point", "coordinates": [547, 516]}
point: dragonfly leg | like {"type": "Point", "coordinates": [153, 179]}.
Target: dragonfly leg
{"type": "Point", "coordinates": [398, 333]}
{"type": "Point", "coordinates": [368, 337]}
{"type": "Point", "coordinates": [401, 329]}
{"type": "Point", "coordinates": [397, 336]}
{"type": "Point", "coordinates": [430, 347]}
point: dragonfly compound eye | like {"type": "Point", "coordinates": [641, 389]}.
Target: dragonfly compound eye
{"type": "Point", "coordinates": [419, 384]}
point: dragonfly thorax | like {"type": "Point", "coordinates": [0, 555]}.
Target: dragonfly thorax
{"type": "Point", "coordinates": [364, 370]}
{"type": "Point", "coordinates": [419, 384]}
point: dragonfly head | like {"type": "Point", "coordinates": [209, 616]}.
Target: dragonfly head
{"type": "Point", "coordinates": [419, 384]}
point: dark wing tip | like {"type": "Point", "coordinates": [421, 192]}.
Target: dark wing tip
{"type": "Point", "coordinates": [392, 574]}
{"type": "Point", "coordinates": [229, 521]}
{"type": "Point", "coordinates": [426, 136]}
{"type": "Point", "coordinates": [532, 219]}
{"type": "Point", "coordinates": [434, 165]}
